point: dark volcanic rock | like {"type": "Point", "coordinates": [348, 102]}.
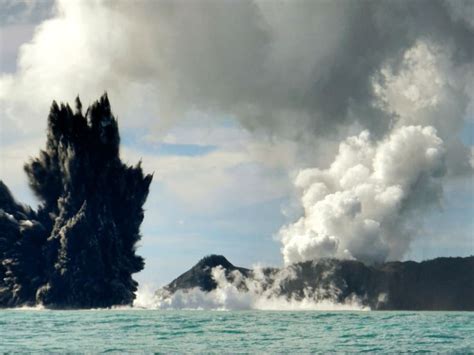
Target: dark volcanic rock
{"type": "Point", "coordinates": [200, 274]}
{"type": "Point", "coordinates": [438, 284]}
{"type": "Point", "coordinates": [78, 249]}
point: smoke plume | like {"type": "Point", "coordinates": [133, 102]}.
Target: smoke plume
{"type": "Point", "coordinates": [401, 72]}
{"type": "Point", "coordinates": [289, 69]}
{"type": "Point", "coordinates": [361, 207]}
{"type": "Point", "coordinates": [369, 203]}
{"type": "Point", "coordinates": [78, 249]}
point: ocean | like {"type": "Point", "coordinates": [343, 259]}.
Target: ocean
{"type": "Point", "coordinates": [143, 330]}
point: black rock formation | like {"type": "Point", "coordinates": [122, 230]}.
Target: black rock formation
{"type": "Point", "coordinates": [200, 274]}
{"type": "Point", "coordinates": [438, 284]}
{"type": "Point", "coordinates": [78, 249]}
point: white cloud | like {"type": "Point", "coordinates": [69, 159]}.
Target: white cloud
{"type": "Point", "coordinates": [430, 89]}
{"type": "Point", "coordinates": [213, 181]}
{"type": "Point", "coordinates": [12, 158]}
{"type": "Point", "coordinates": [294, 70]}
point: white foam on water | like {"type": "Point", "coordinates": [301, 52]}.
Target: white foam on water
{"type": "Point", "coordinates": [257, 294]}
{"type": "Point", "coordinates": [38, 307]}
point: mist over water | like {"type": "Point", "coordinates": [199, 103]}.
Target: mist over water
{"type": "Point", "coordinates": [258, 292]}
{"type": "Point", "coordinates": [231, 299]}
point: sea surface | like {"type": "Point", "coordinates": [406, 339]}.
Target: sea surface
{"type": "Point", "coordinates": [131, 330]}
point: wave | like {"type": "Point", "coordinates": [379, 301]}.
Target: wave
{"type": "Point", "coordinates": [38, 307]}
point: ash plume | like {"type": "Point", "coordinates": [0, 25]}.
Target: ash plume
{"type": "Point", "coordinates": [313, 72]}
{"type": "Point", "coordinates": [290, 69]}
{"type": "Point", "coordinates": [78, 249]}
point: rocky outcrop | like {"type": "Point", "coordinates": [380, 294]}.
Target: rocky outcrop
{"type": "Point", "coordinates": [438, 284]}
{"type": "Point", "coordinates": [200, 275]}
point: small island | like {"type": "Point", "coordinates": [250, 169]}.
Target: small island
{"type": "Point", "coordinates": [441, 284]}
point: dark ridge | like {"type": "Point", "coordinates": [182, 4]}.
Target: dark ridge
{"type": "Point", "coordinates": [200, 274]}
{"type": "Point", "coordinates": [215, 260]}
{"type": "Point", "coordinates": [78, 249]}
{"type": "Point", "coordinates": [438, 284]}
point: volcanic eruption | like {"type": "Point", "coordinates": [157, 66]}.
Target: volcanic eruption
{"type": "Point", "coordinates": [78, 249]}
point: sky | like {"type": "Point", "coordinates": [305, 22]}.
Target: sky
{"type": "Point", "coordinates": [277, 131]}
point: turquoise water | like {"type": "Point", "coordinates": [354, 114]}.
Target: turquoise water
{"type": "Point", "coordinates": [240, 331]}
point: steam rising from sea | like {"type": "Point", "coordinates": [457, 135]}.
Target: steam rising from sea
{"type": "Point", "coordinates": [370, 202]}
{"type": "Point", "coordinates": [396, 77]}
{"type": "Point", "coordinates": [245, 293]}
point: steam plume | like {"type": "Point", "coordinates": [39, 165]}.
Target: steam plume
{"type": "Point", "coordinates": [311, 71]}
{"type": "Point", "coordinates": [293, 69]}
{"type": "Point", "coordinates": [361, 207]}
{"type": "Point", "coordinates": [369, 204]}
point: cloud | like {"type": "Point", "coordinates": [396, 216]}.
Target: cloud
{"type": "Point", "coordinates": [291, 69]}
{"type": "Point", "coordinates": [12, 158]}
{"type": "Point", "coordinates": [430, 89]}
{"type": "Point", "coordinates": [218, 180]}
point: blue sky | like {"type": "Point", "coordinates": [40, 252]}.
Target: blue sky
{"type": "Point", "coordinates": [222, 184]}
{"type": "Point", "coordinates": [179, 230]}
